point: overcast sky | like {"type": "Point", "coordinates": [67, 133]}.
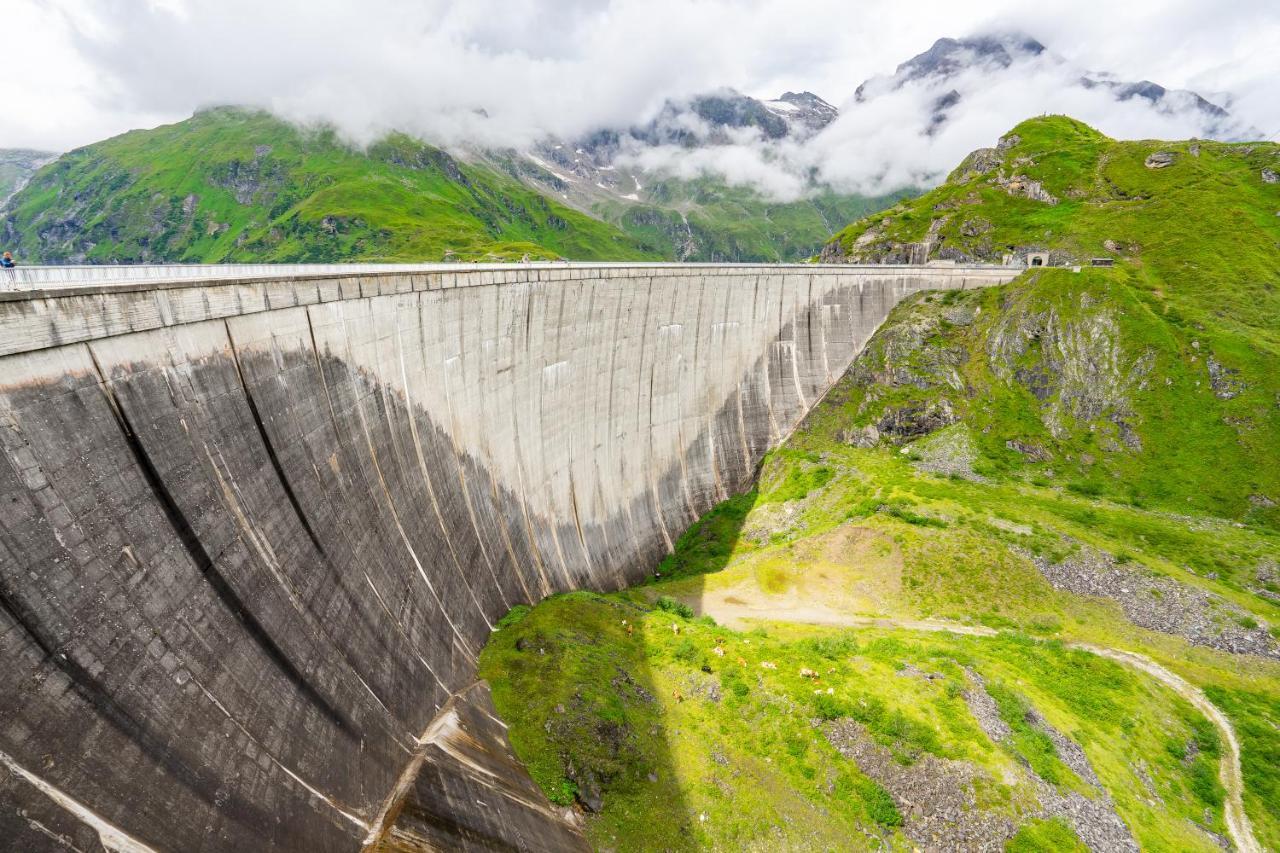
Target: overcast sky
{"type": "Point", "coordinates": [76, 71]}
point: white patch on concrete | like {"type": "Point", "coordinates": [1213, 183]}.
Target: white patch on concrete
{"type": "Point", "coordinates": [294, 776]}
{"type": "Point", "coordinates": [112, 837]}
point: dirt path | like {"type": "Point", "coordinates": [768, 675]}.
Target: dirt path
{"type": "Point", "coordinates": [1238, 826]}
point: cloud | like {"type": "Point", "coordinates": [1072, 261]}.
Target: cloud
{"type": "Point", "coordinates": [896, 146]}
{"type": "Point", "coordinates": [508, 72]}
{"type": "Point", "coordinates": [770, 168]}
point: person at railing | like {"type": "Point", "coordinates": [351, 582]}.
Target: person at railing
{"type": "Point", "coordinates": [7, 261]}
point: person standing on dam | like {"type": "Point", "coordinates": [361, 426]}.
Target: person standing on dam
{"type": "Point", "coordinates": [7, 263]}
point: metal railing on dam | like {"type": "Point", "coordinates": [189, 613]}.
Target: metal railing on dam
{"type": "Point", "coordinates": [256, 527]}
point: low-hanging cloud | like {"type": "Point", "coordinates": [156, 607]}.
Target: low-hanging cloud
{"type": "Point", "coordinates": [507, 73]}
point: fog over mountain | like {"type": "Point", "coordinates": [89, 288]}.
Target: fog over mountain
{"type": "Point", "coordinates": [910, 127]}
{"type": "Point", "coordinates": [656, 86]}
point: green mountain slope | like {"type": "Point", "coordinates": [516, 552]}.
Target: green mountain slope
{"type": "Point", "coordinates": [918, 630]}
{"type": "Point", "coordinates": [699, 220]}
{"type": "Point", "coordinates": [707, 220]}
{"type": "Point", "coordinates": [237, 185]}
{"type": "Point", "coordinates": [1153, 382]}
{"type": "Point", "coordinates": [17, 165]}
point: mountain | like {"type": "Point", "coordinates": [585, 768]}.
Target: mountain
{"type": "Point", "coordinates": [704, 217]}
{"type": "Point", "coordinates": [241, 185]}
{"type": "Point", "coordinates": [709, 118]}
{"type": "Point", "coordinates": [953, 68]}
{"type": "Point", "coordinates": [1015, 581]}
{"type": "Point", "coordinates": [1079, 373]}
{"type": "Point", "coordinates": [804, 112]}
{"type": "Point", "coordinates": [17, 165]}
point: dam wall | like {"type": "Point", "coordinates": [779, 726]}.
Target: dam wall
{"type": "Point", "coordinates": [256, 527]}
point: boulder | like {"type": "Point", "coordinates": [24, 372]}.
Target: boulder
{"type": "Point", "coordinates": [1021, 185]}
{"type": "Point", "coordinates": [1032, 452]}
{"type": "Point", "coordinates": [1269, 176]}
{"type": "Point", "coordinates": [867, 436]}
{"type": "Point", "coordinates": [979, 162]}
{"type": "Point", "coordinates": [1160, 159]}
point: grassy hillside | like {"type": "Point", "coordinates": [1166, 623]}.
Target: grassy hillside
{"type": "Point", "coordinates": [17, 165]}
{"type": "Point", "coordinates": [706, 220]}
{"type": "Point", "coordinates": [901, 635]}
{"type": "Point", "coordinates": [1199, 234]}
{"type": "Point", "coordinates": [237, 185]}
{"type": "Point", "coordinates": [1154, 382]}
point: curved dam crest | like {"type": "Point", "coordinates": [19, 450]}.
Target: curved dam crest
{"type": "Point", "coordinates": [256, 527]}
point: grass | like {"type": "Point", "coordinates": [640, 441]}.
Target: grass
{"type": "Point", "coordinates": [974, 569]}
{"type": "Point", "coordinates": [1256, 715]}
{"type": "Point", "coordinates": [706, 220]}
{"type": "Point", "coordinates": [1030, 743]}
{"type": "Point", "coordinates": [1121, 407]}
{"type": "Point", "coordinates": [1109, 373]}
{"type": "Point", "coordinates": [1045, 836]}
{"type": "Point", "coordinates": [240, 185]}
{"type": "Point", "coordinates": [1097, 427]}
{"type": "Point", "coordinates": [695, 750]}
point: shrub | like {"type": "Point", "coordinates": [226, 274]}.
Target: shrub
{"type": "Point", "coordinates": [1204, 782]}
{"type": "Point", "coordinates": [831, 648]}
{"type": "Point", "coordinates": [732, 681]}
{"type": "Point", "coordinates": [902, 513]}
{"type": "Point", "coordinates": [669, 605]}
{"type": "Point", "coordinates": [513, 616]}
{"type": "Point", "coordinates": [686, 651]}
{"type": "Point", "coordinates": [880, 806]}
{"type": "Point", "coordinates": [563, 793]}
{"type": "Point", "coordinates": [828, 707]}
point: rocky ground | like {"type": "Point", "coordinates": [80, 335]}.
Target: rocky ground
{"type": "Point", "coordinates": [947, 453]}
{"type": "Point", "coordinates": [1161, 604]}
{"type": "Point", "coordinates": [935, 796]}
{"type": "Point", "coordinates": [1094, 819]}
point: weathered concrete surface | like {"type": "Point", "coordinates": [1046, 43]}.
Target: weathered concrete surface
{"type": "Point", "coordinates": [469, 759]}
{"type": "Point", "coordinates": [253, 534]}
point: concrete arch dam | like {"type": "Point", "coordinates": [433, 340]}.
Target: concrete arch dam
{"type": "Point", "coordinates": [256, 524]}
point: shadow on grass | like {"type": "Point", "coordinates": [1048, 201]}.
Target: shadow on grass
{"type": "Point", "coordinates": [574, 679]}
